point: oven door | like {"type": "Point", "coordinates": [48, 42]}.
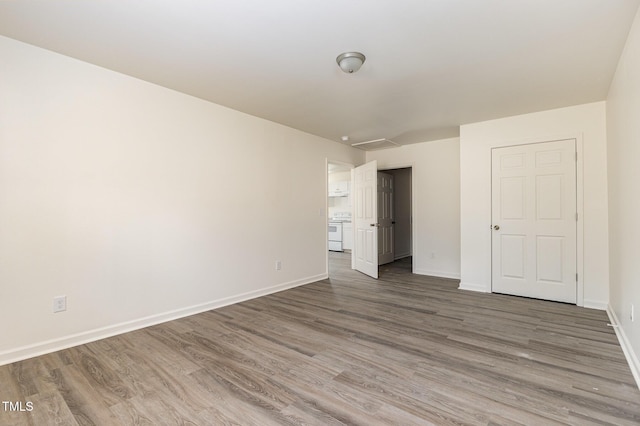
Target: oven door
{"type": "Point", "coordinates": [335, 231]}
{"type": "Point", "coordinates": [335, 236]}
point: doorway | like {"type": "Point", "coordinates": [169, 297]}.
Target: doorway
{"type": "Point", "coordinates": [402, 212]}
{"type": "Point", "coordinates": [338, 213]}
{"type": "Point", "coordinates": [402, 235]}
{"type": "Point", "coordinates": [375, 217]}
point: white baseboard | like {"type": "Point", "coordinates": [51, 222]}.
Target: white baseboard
{"type": "Point", "coordinates": [632, 359]}
{"type": "Point", "coordinates": [398, 256]}
{"type": "Point", "coordinates": [473, 287]}
{"type": "Point", "coordinates": [595, 304]}
{"type": "Point", "coordinates": [439, 274]}
{"type": "Point", "coordinates": [65, 342]}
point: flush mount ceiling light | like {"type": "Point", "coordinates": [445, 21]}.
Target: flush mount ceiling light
{"type": "Point", "coordinates": [350, 62]}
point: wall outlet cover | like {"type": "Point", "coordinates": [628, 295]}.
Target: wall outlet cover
{"type": "Point", "coordinates": [59, 304]}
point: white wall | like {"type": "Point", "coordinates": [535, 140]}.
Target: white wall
{"type": "Point", "coordinates": [623, 133]}
{"type": "Point", "coordinates": [141, 204]}
{"type": "Point", "coordinates": [436, 202]}
{"type": "Point", "coordinates": [587, 123]}
{"type": "Point", "coordinates": [344, 176]}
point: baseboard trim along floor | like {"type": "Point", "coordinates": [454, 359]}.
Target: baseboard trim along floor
{"type": "Point", "coordinates": [65, 342]}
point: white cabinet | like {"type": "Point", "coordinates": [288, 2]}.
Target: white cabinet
{"type": "Point", "coordinates": [347, 236]}
{"type": "Point", "coordinates": [339, 188]}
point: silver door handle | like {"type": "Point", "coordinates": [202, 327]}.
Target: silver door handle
{"type": "Point", "coordinates": [496, 227]}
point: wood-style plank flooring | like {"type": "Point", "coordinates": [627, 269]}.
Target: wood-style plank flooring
{"type": "Point", "coordinates": [403, 350]}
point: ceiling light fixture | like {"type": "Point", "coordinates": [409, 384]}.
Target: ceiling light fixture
{"type": "Point", "coordinates": [350, 62]}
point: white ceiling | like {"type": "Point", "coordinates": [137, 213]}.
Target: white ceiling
{"type": "Point", "coordinates": [431, 64]}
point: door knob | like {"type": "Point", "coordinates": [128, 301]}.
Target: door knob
{"type": "Point", "coordinates": [496, 227]}
{"type": "Point", "coordinates": [373, 224]}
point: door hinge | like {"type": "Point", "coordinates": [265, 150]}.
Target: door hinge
{"type": "Point", "coordinates": [576, 217]}
{"type": "Point", "coordinates": [576, 277]}
{"type": "Point", "coordinates": [576, 156]}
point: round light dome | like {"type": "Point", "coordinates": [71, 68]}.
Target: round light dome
{"type": "Point", "coordinates": [350, 62]}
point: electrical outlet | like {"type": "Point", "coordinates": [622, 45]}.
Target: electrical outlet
{"type": "Point", "coordinates": [278, 265]}
{"type": "Point", "coordinates": [59, 304]}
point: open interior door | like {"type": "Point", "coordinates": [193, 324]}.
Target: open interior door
{"type": "Point", "coordinates": [385, 218]}
{"type": "Point", "coordinates": [366, 218]}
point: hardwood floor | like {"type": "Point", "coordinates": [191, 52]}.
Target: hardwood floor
{"type": "Point", "coordinates": [405, 349]}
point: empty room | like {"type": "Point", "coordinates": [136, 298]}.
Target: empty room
{"type": "Point", "coordinates": [447, 194]}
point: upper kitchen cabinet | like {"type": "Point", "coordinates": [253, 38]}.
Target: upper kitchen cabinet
{"type": "Point", "coordinates": [339, 188]}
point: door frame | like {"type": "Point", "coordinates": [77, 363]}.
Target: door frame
{"type": "Point", "coordinates": [414, 207]}
{"type": "Point", "coordinates": [569, 282]}
{"type": "Point", "coordinates": [392, 166]}
{"type": "Point", "coordinates": [579, 206]}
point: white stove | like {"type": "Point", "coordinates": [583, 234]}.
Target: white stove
{"type": "Point", "coordinates": [335, 230]}
{"type": "Point", "coordinates": [335, 236]}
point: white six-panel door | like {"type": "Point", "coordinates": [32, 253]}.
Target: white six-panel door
{"type": "Point", "coordinates": [534, 220]}
{"type": "Point", "coordinates": [366, 218]}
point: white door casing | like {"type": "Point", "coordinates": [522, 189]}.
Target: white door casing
{"type": "Point", "coordinates": [534, 220]}
{"type": "Point", "coordinates": [385, 218]}
{"type": "Point", "coordinates": [366, 216]}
